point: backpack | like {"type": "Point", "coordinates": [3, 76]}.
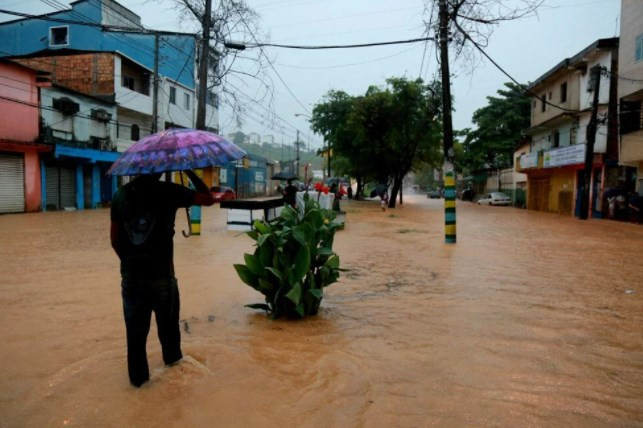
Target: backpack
{"type": "Point", "coordinates": [139, 219]}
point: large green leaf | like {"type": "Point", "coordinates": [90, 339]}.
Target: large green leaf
{"type": "Point", "coordinates": [317, 293]}
{"type": "Point", "coordinates": [302, 262]}
{"type": "Point", "coordinates": [261, 306]}
{"type": "Point", "coordinates": [247, 276]}
{"type": "Point", "coordinates": [267, 286]}
{"type": "Point", "coordinates": [294, 295]}
{"type": "Point", "coordinates": [264, 254]}
{"type": "Point", "coordinates": [276, 273]}
{"type": "Point", "coordinates": [325, 251]}
{"type": "Point", "coordinates": [300, 310]}
{"type": "Point", "coordinates": [253, 264]}
{"type": "Point", "coordinates": [261, 226]}
{"type": "Point", "coordinates": [333, 262]}
{"type": "Point", "coordinates": [263, 238]}
{"type": "Point", "coordinates": [299, 234]}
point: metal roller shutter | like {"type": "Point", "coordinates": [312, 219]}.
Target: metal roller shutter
{"type": "Point", "coordinates": [12, 184]}
{"type": "Point", "coordinates": [68, 187]}
{"type": "Point", "coordinates": [61, 187]}
{"type": "Point", "coordinates": [52, 177]}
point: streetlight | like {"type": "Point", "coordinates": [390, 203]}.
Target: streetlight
{"type": "Point", "coordinates": [325, 143]}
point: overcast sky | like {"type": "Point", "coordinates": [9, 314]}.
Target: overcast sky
{"type": "Point", "coordinates": [525, 48]}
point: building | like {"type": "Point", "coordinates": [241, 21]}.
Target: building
{"type": "Point", "coordinates": [81, 130]}
{"type": "Point", "coordinates": [253, 138]}
{"type": "Point", "coordinates": [560, 114]}
{"type": "Point", "coordinates": [630, 91]}
{"type": "Point", "coordinates": [114, 60]}
{"type": "Point", "coordinates": [268, 139]}
{"type": "Point", "coordinates": [248, 177]}
{"type": "Point", "coordinates": [20, 146]}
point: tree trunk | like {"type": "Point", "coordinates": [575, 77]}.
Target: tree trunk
{"type": "Point", "coordinates": [397, 185]}
{"type": "Point", "coordinates": [401, 200]}
{"type": "Point", "coordinates": [360, 188]}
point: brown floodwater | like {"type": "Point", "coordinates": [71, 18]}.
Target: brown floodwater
{"type": "Point", "coordinates": [531, 319]}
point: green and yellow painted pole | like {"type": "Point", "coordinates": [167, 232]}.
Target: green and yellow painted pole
{"type": "Point", "coordinates": [449, 205]}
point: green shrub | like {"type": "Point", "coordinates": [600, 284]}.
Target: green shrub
{"type": "Point", "coordinates": [293, 261]}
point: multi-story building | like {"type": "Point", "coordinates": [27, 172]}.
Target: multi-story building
{"type": "Point", "coordinates": [630, 90]}
{"type": "Point", "coordinates": [112, 62]}
{"type": "Point", "coordinates": [561, 111]}
{"type": "Point", "coordinates": [20, 147]}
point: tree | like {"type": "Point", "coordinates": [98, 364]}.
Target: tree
{"type": "Point", "coordinates": [233, 20]}
{"type": "Point", "coordinates": [499, 127]}
{"type": "Point", "coordinates": [383, 134]}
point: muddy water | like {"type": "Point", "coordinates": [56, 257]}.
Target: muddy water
{"type": "Point", "coordinates": [531, 319]}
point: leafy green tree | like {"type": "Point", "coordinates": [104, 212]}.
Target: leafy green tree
{"type": "Point", "coordinates": [499, 127]}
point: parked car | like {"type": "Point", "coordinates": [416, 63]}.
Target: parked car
{"type": "Point", "coordinates": [495, 198]}
{"type": "Point", "coordinates": [222, 193]}
{"type": "Point", "coordinates": [434, 194]}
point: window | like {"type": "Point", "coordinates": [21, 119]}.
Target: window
{"type": "Point", "coordinates": [550, 95]}
{"type": "Point", "coordinates": [535, 105]}
{"type": "Point", "coordinates": [563, 92]}
{"type": "Point", "coordinates": [135, 133]}
{"type": "Point", "coordinates": [186, 103]}
{"type": "Point", "coordinates": [639, 48]}
{"type": "Point", "coordinates": [59, 36]}
{"type": "Point", "coordinates": [172, 95]}
{"type": "Point", "coordinates": [128, 82]}
{"type": "Point", "coordinates": [556, 139]}
{"type": "Point", "coordinates": [543, 103]}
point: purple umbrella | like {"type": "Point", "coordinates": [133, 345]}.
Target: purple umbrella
{"type": "Point", "coordinates": [176, 149]}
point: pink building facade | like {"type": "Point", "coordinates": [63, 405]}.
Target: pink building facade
{"type": "Point", "coordinates": [20, 172]}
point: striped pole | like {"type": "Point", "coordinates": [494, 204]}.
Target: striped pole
{"type": "Point", "coordinates": [449, 204]}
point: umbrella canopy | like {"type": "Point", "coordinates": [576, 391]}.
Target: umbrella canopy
{"type": "Point", "coordinates": [176, 150]}
{"type": "Point", "coordinates": [284, 175]}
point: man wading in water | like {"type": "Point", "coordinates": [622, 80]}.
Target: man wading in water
{"type": "Point", "coordinates": [142, 233]}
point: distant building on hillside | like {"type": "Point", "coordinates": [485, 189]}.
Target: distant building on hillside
{"type": "Point", "coordinates": [253, 138]}
{"type": "Point", "coordinates": [270, 139]}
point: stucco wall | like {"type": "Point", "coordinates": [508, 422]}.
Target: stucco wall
{"type": "Point", "coordinates": [631, 28]}
{"type": "Point", "coordinates": [554, 87]}
{"type": "Point", "coordinates": [18, 119]}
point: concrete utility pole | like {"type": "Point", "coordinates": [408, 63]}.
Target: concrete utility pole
{"type": "Point", "coordinates": [297, 163]}
{"type": "Point", "coordinates": [203, 66]}
{"type": "Point", "coordinates": [447, 129]}
{"type": "Point", "coordinates": [155, 90]}
{"type": "Point", "coordinates": [591, 138]}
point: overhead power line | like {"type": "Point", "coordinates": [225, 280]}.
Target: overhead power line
{"type": "Point", "coordinates": [353, 46]}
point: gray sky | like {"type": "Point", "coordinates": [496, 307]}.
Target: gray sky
{"type": "Point", "coordinates": [525, 48]}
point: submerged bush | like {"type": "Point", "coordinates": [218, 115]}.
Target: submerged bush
{"type": "Point", "coordinates": [293, 261]}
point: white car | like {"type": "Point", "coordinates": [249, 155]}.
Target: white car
{"type": "Point", "coordinates": [495, 198]}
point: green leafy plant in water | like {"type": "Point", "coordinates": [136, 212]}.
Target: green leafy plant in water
{"type": "Point", "coordinates": [293, 261]}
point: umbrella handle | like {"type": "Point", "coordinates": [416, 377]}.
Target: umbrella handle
{"type": "Point", "coordinates": [187, 212]}
{"type": "Point", "coordinates": [189, 233]}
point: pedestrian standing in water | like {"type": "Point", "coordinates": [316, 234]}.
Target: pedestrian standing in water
{"type": "Point", "coordinates": [142, 231]}
{"type": "Point", "coordinates": [290, 194]}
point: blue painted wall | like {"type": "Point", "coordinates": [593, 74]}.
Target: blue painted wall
{"type": "Point", "coordinates": [28, 36]}
{"type": "Point", "coordinates": [247, 182]}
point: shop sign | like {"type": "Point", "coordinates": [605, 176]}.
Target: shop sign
{"type": "Point", "coordinates": [530, 160]}
{"type": "Point", "coordinates": [564, 156]}
{"type": "Point", "coordinates": [223, 176]}
{"type": "Point", "coordinates": [259, 176]}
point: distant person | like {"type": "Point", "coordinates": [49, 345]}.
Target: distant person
{"type": "Point", "coordinates": [290, 194]}
{"type": "Point", "coordinates": [142, 231]}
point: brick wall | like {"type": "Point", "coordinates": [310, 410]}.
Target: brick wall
{"type": "Point", "coordinates": [91, 74]}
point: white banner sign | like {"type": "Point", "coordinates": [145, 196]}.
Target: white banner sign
{"type": "Point", "coordinates": [564, 156]}
{"type": "Point", "coordinates": [529, 160]}
{"type": "Point", "coordinates": [223, 175]}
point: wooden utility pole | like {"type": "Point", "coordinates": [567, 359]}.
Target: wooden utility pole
{"type": "Point", "coordinates": [203, 66]}
{"type": "Point", "coordinates": [155, 90]}
{"type": "Point", "coordinates": [447, 128]}
{"type": "Point", "coordinates": [591, 138]}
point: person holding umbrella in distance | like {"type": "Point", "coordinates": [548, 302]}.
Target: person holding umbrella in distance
{"type": "Point", "coordinates": [143, 213]}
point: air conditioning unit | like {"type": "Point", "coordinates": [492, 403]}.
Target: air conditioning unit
{"type": "Point", "coordinates": [101, 115]}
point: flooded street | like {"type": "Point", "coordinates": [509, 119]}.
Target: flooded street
{"type": "Point", "coordinates": [531, 319]}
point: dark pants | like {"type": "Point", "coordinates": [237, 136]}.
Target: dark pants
{"type": "Point", "coordinates": [140, 298]}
